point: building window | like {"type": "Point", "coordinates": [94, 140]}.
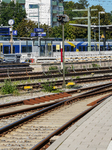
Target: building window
{"type": "Point", "coordinates": [32, 6]}
{"type": "Point", "coordinates": [60, 8]}
{"type": "Point", "coordinates": [23, 6]}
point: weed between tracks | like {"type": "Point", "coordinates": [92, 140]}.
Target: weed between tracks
{"type": "Point", "coordinates": [49, 86]}
{"type": "Point", "coordinates": [8, 88]}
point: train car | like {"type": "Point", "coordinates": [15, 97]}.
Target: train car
{"type": "Point", "coordinates": [28, 49]}
{"type": "Point", "coordinates": [74, 46]}
{"type": "Point", "coordinates": [25, 48]}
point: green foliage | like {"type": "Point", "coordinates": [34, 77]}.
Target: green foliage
{"type": "Point", "coordinates": [11, 11]}
{"type": "Point", "coordinates": [23, 81]}
{"type": "Point", "coordinates": [53, 68]}
{"type": "Point", "coordinates": [77, 77]}
{"type": "Point", "coordinates": [8, 88]}
{"type": "Point", "coordinates": [39, 80]}
{"type": "Point", "coordinates": [84, 67]}
{"type": "Point", "coordinates": [56, 79]}
{"type": "Point", "coordinates": [95, 65]}
{"type": "Point", "coordinates": [56, 91]}
{"type": "Point", "coordinates": [69, 6]}
{"type": "Point", "coordinates": [83, 3]}
{"type": "Point", "coordinates": [56, 32]}
{"type": "Point", "coordinates": [25, 28]}
{"type": "Point", "coordinates": [66, 70]}
{"type": "Point", "coordinates": [29, 81]}
{"type": "Point", "coordinates": [48, 86]}
{"type": "Point", "coordinates": [73, 77]}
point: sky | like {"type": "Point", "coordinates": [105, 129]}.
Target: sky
{"type": "Point", "coordinates": [106, 4]}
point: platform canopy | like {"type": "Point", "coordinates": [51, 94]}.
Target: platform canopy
{"type": "Point", "coordinates": [102, 27]}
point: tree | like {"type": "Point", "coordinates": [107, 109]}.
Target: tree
{"type": "Point", "coordinates": [84, 3]}
{"type": "Point", "coordinates": [69, 6]}
{"type": "Point", "coordinates": [11, 11]}
{"type": "Point", "coordinates": [25, 28]}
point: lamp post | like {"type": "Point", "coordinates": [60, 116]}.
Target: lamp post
{"type": "Point", "coordinates": [38, 36]}
{"type": "Point", "coordinates": [102, 12]}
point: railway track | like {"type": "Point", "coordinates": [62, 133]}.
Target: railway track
{"type": "Point", "coordinates": [51, 98]}
{"type": "Point", "coordinates": [26, 132]}
{"type": "Point", "coordinates": [78, 81]}
{"type": "Point", "coordinates": [52, 74]}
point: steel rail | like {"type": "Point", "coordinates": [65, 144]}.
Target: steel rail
{"type": "Point", "coordinates": [54, 75]}
{"type": "Point", "coordinates": [4, 129]}
{"type": "Point", "coordinates": [69, 92]}
{"type": "Point", "coordinates": [66, 125]}
{"type": "Point", "coordinates": [51, 71]}
{"type": "Point", "coordinates": [80, 80]}
{"type": "Point", "coordinates": [28, 109]}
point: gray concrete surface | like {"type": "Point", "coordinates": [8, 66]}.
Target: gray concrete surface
{"type": "Point", "coordinates": [92, 132]}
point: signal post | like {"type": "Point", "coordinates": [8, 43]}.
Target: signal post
{"type": "Point", "coordinates": [63, 19]}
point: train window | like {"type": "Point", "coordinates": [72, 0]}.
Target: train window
{"type": "Point", "coordinates": [54, 48]}
{"type": "Point", "coordinates": [29, 48]}
{"type": "Point", "coordinates": [6, 49]}
{"type": "Point", "coordinates": [101, 48]}
{"type": "Point", "coordinates": [83, 48]}
{"type": "Point", "coordinates": [26, 49]}
{"type": "Point", "coordinates": [23, 49]}
{"type": "Point", "coordinates": [42, 50]}
{"type": "Point", "coordinates": [67, 48]}
{"type": "Point", "coordinates": [72, 48]}
{"type": "Point", "coordinates": [79, 48]}
{"type": "Point", "coordinates": [13, 49]}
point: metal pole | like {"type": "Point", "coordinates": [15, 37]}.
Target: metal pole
{"type": "Point", "coordinates": [99, 33]}
{"type": "Point", "coordinates": [89, 29]}
{"type": "Point", "coordinates": [38, 36]}
{"type": "Point", "coordinates": [11, 41]}
{"type": "Point", "coordinates": [61, 55]}
{"type": "Point", "coordinates": [63, 85]}
{"type": "Point", "coordinates": [0, 48]}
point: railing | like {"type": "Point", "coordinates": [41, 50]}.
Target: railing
{"type": "Point", "coordinates": [54, 19]}
{"type": "Point", "coordinates": [54, 3]}
{"type": "Point", "coordinates": [54, 11]}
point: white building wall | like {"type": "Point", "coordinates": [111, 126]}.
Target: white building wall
{"type": "Point", "coordinates": [44, 11]}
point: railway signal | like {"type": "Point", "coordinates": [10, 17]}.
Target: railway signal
{"type": "Point", "coordinates": [63, 19]}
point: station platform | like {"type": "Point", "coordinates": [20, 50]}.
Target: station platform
{"type": "Point", "coordinates": [92, 132]}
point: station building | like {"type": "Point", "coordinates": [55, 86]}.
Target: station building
{"type": "Point", "coordinates": [48, 10]}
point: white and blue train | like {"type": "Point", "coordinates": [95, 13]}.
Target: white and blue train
{"type": "Point", "coordinates": [29, 48]}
